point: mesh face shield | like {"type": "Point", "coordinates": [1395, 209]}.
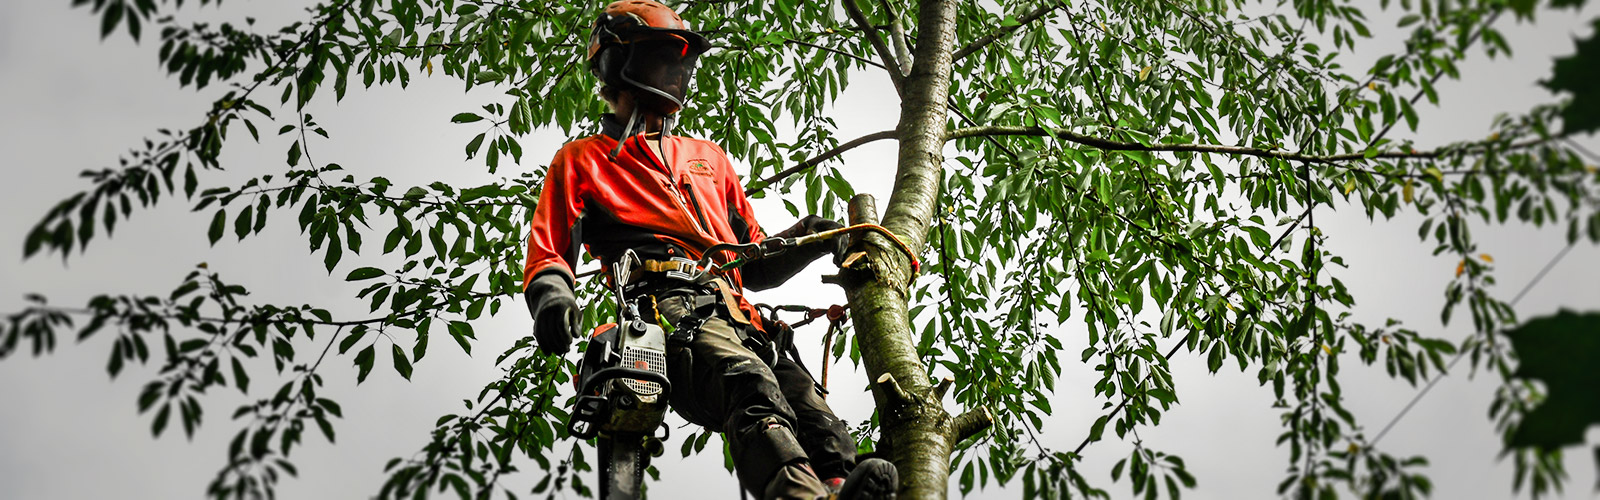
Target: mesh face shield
{"type": "Point", "coordinates": [662, 68]}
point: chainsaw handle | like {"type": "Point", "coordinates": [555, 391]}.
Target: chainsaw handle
{"type": "Point", "coordinates": [608, 374]}
{"type": "Point", "coordinates": [591, 409]}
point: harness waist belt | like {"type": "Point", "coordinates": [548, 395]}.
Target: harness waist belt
{"type": "Point", "coordinates": [676, 268]}
{"type": "Point", "coordinates": [686, 270]}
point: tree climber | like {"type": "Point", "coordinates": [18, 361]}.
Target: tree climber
{"type": "Point", "coordinates": [669, 198]}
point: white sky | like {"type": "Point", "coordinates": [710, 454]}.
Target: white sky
{"type": "Point", "coordinates": [71, 102]}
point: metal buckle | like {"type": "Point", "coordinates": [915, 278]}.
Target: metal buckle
{"type": "Point", "coordinates": [685, 270]}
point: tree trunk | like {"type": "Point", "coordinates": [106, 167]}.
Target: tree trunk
{"type": "Point", "coordinates": [917, 432]}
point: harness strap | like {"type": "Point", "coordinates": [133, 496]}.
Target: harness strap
{"type": "Point", "coordinates": [730, 302]}
{"type": "Point", "coordinates": [689, 271]}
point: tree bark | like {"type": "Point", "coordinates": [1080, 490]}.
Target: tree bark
{"type": "Point", "coordinates": [917, 432]}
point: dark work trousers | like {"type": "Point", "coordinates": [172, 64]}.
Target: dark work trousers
{"type": "Point", "coordinates": [720, 383]}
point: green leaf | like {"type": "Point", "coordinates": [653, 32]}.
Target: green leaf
{"type": "Point", "coordinates": [350, 340]}
{"type": "Point", "coordinates": [364, 273]}
{"type": "Point", "coordinates": [1562, 351]}
{"type": "Point", "coordinates": [294, 154]}
{"type": "Point", "coordinates": [190, 182]}
{"type": "Point", "coordinates": [109, 23]}
{"type": "Point", "coordinates": [325, 427]}
{"type": "Point", "coordinates": [364, 363]}
{"type": "Point", "coordinates": [242, 223]}
{"type": "Point", "coordinates": [335, 251]}
{"type": "Point", "coordinates": [241, 379]}
{"type": "Point", "coordinates": [160, 423]}
{"type": "Point", "coordinates": [331, 407]}
{"type": "Point", "coordinates": [966, 479]}
{"type": "Point", "coordinates": [465, 118]}
{"type": "Point", "coordinates": [1164, 395]}
{"type": "Point", "coordinates": [393, 240]}
{"type": "Point", "coordinates": [462, 331]}
{"type": "Point", "coordinates": [1099, 428]}
{"type": "Point", "coordinates": [218, 223]}
{"type": "Point", "coordinates": [1383, 64]}
{"type": "Point", "coordinates": [401, 364]}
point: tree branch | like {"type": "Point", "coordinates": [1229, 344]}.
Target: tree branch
{"type": "Point", "coordinates": [985, 40]}
{"type": "Point", "coordinates": [971, 423]}
{"type": "Point", "coordinates": [877, 45]}
{"type": "Point", "coordinates": [1435, 78]}
{"type": "Point", "coordinates": [860, 59]}
{"type": "Point", "coordinates": [943, 387]}
{"type": "Point", "coordinates": [892, 393]}
{"type": "Point", "coordinates": [1111, 145]}
{"type": "Point", "coordinates": [264, 318]}
{"type": "Point", "coordinates": [818, 159]}
{"type": "Point", "coordinates": [897, 33]}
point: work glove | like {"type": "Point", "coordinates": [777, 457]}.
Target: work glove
{"type": "Point", "coordinates": [773, 271]}
{"type": "Point", "coordinates": [813, 224]}
{"type": "Point", "coordinates": [554, 311]}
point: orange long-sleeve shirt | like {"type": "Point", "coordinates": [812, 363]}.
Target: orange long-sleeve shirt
{"type": "Point", "coordinates": [683, 203]}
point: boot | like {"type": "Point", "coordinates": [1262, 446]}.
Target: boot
{"type": "Point", "coordinates": [873, 479]}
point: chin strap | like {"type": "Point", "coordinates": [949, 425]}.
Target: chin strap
{"type": "Point", "coordinates": [666, 128]}
{"type": "Point", "coordinates": [627, 133]}
{"type": "Point", "coordinates": [667, 121]}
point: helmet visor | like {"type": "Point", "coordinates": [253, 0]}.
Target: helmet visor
{"type": "Point", "coordinates": [665, 65]}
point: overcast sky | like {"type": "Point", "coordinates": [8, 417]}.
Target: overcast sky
{"type": "Point", "coordinates": [72, 102]}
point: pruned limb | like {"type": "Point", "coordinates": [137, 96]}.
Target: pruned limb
{"type": "Point", "coordinates": [892, 393]}
{"type": "Point", "coordinates": [878, 45]}
{"type": "Point", "coordinates": [971, 424]}
{"type": "Point", "coordinates": [985, 40]}
{"type": "Point", "coordinates": [851, 260]}
{"type": "Point", "coordinates": [943, 387]}
{"type": "Point", "coordinates": [863, 209]}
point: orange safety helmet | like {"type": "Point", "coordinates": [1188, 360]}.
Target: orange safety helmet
{"type": "Point", "coordinates": [627, 21]}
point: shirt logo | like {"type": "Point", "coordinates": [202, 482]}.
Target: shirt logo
{"type": "Point", "coordinates": [701, 167]}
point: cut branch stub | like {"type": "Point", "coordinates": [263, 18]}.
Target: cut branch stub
{"type": "Point", "coordinates": [892, 393]}
{"type": "Point", "coordinates": [971, 424]}
{"type": "Point", "coordinates": [943, 387]}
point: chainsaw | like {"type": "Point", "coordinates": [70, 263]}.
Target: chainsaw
{"type": "Point", "coordinates": [622, 381]}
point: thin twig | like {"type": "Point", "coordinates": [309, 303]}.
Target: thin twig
{"type": "Point", "coordinates": [882, 49]}
{"type": "Point", "coordinates": [1461, 354]}
{"type": "Point", "coordinates": [817, 160]}
{"type": "Point", "coordinates": [984, 41]}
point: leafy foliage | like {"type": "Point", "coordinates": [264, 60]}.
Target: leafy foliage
{"type": "Point", "coordinates": [1150, 170]}
{"type": "Point", "coordinates": [1577, 74]}
{"type": "Point", "coordinates": [1560, 351]}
